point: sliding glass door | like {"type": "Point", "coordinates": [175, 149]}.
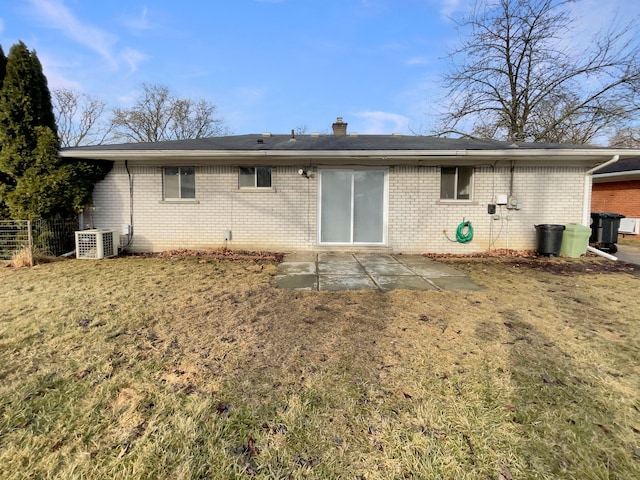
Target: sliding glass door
{"type": "Point", "coordinates": [353, 206]}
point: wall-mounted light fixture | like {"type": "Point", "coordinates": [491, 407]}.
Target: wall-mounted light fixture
{"type": "Point", "coordinates": [304, 173]}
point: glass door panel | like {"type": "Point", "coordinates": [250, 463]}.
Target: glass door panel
{"type": "Point", "coordinates": [335, 206]}
{"type": "Point", "coordinates": [368, 206]}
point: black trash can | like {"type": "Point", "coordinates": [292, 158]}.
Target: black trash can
{"type": "Point", "coordinates": [604, 230]}
{"type": "Point", "coordinates": [549, 239]}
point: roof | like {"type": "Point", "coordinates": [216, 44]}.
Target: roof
{"type": "Point", "coordinates": [623, 170]}
{"type": "Point", "coordinates": [331, 148]}
{"type": "Point", "coordinates": [352, 142]}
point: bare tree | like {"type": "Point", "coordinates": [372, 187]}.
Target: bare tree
{"type": "Point", "coordinates": [513, 77]}
{"type": "Point", "coordinates": [302, 129]}
{"type": "Point", "coordinates": [159, 115]}
{"type": "Point", "coordinates": [79, 118]}
{"type": "Point", "coordinates": [626, 138]}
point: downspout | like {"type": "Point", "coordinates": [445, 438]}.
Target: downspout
{"type": "Point", "coordinates": [586, 206]}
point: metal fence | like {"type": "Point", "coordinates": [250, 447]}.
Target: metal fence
{"type": "Point", "coordinates": [14, 235]}
{"type": "Point", "coordinates": [52, 237]}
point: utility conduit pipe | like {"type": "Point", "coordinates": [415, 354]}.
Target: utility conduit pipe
{"type": "Point", "coordinates": [602, 254]}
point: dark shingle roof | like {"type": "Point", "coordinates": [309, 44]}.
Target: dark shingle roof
{"type": "Point", "coordinates": [626, 165]}
{"type": "Point", "coordinates": [324, 143]}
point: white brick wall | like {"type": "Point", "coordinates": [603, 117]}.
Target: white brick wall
{"type": "Point", "coordinates": [285, 218]}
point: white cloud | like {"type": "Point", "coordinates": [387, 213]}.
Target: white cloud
{"type": "Point", "coordinates": [132, 58]}
{"type": "Point", "coordinates": [448, 7]}
{"type": "Point", "coordinates": [249, 95]}
{"type": "Point", "coordinates": [382, 122]}
{"type": "Point", "coordinates": [590, 17]}
{"type": "Point", "coordinates": [417, 61]}
{"type": "Point", "coordinates": [55, 14]}
{"type": "Point", "coordinates": [139, 23]}
{"type": "Point", "coordinates": [55, 78]}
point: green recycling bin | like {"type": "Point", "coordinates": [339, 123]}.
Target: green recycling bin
{"type": "Point", "coordinates": [575, 240]}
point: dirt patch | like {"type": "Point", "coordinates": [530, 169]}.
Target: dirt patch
{"type": "Point", "coordinates": [210, 254]}
{"type": "Point", "coordinates": [589, 264]}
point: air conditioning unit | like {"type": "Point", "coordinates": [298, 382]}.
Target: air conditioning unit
{"type": "Point", "coordinates": [96, 244]}
{"type": "Point", "coordinates": [630, 226]}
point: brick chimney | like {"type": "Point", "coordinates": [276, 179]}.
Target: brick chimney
{"type": "Point", "coordinates": [339, 127]}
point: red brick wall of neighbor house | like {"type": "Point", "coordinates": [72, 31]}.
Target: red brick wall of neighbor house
{"type": "Point", "coordinates": [617, 197]}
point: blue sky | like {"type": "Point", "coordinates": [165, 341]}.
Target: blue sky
{"type": "Point", "coordinates": [268, 65]}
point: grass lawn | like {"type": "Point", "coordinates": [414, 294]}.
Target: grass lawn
{"type": "Point", "coordinates": [629, 240]}
{"type": "Point", "coordinates": [195, 367]}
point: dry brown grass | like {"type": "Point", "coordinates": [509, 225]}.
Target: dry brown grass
{"type": "Point", "coordinates": [28, 257]}
{"type": "Point", "coordinates": [195, 367]}
{"type": "Point", "coordinates": [629, 240]}
{"type": "Point", "coordinates": [23, 258]}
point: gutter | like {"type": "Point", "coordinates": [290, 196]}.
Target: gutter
{"type": "Point", "coordinates": [507, 154]}
{"type": "Point", "coordinates": [614, 175]}
{"type": "Point", "coordinates": [586, 205]}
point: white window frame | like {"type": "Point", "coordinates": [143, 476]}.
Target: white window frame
{"type": "Point", "coordinates": [180, 192]}
{"type": "Point", "coordinates": [455, 184]}
{"type": "Point", "coordinates": [255, 178]}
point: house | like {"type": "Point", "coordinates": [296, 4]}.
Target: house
{"type": "Point", "coordinates": [616, 189]}
{"type": "Point", "coordinates": [340, 191]}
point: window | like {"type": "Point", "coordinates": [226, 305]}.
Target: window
{"type": "Point", "coordinates": [179, 182]}
{"type": "Point", "coordinates": [456, 183]}
{"type": "Point", "coordinates": [254, 177]}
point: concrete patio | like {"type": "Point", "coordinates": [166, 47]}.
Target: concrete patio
{"type": "Point", "coordinates": [628, 253]}
{"type": "Point", "coordinates": [366, 271]}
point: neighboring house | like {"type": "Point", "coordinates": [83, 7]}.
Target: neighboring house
{"type": "Point", "coordinates": [389, 193]}
{"type": "Point", "coordinates": [616, 189]}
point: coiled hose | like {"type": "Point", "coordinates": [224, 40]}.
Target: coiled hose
{"type": "Point", "coordinates": [464, 233]}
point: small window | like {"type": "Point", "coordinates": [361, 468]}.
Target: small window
{"type": "Point", "coordinates": [254, 177]}
{"type": "Point", "coordinates": [456, 183]}
{"type": "Point", "coordinates": [179, 182]}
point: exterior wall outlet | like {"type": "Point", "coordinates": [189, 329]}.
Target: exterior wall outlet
{"type": "Point", "coordinates": [226, 235]}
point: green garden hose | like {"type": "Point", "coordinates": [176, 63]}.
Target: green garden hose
{"type": "Point", "coordinates": [464, 233]}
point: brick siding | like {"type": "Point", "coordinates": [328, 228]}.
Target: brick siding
{"type": "Point", "coordinates": [617, 197]}
{"type": "Point", "coordinates": [285, 218]}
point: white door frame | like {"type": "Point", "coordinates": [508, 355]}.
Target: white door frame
{"type": "Point", "coordinates": [385, 207]}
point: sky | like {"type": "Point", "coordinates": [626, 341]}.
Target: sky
{"type": "Point", "coordinates": [268, 65]}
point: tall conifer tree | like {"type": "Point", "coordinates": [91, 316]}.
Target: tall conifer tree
{"type": "Point", "coordinates": [38, 182]}
{"type": "Point", "coordinates": [43, 106]}
{"type": "Point", "coordinates": [3, 65]}
{"type": "Point", "coordinates": [18, 116]}
{"type": "Point", "coordinates": [4, 178]}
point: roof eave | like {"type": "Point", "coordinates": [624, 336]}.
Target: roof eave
{"type": "Point", "coordinates": [624, 176]}
{"type": "Point", "coordinates": [501, 154]}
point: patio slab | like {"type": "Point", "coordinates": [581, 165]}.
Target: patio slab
{"type": "Point", "coordinates": [297, 268]}
{"type": "Point", "coordinates": [340, 268]}
{"type": "Point", "coordinates": [297, 282]}
{"type": "Point", "coordinates": [345, 282]}
{"type": "Point", "coordinates": [402, 282]}
{"type": "Point", "coordinates": [336, 271]}
{"type": "Point", "coordinates": [375, 259]}
{"type": "Point", "coordinates": [426, 267]}
{"type": "Point", "coordinates": [301, 257]}
{"type": "Point", "coordinates": [336, 257]}
{"type": "Point", "coordinates": [383, 265]}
